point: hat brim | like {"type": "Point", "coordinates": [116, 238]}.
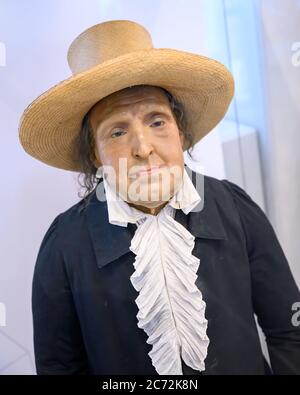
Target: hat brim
{"type": "Point", "coordinates": [49, 125]}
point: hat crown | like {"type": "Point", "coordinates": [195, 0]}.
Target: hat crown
{"type": "Point", "coordinates": [106, 41]}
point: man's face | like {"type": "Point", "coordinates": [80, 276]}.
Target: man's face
{"type": "Point", "coordinates": [137, 125]}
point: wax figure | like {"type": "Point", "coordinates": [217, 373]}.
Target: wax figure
{"type": "Point", "coordinates": [152, 271]}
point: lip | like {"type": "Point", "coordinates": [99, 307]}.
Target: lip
{"type": "Point", "coordinates": [148, 170]}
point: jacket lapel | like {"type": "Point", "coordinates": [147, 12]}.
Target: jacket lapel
{"type": "Point", "coordinates": [110, 242]}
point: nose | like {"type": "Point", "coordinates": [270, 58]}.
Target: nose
{"type": "Point", "coordinates": [141, 146]}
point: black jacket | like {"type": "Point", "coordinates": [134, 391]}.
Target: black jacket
{"type": "Point", "coordinates": [83, 302]}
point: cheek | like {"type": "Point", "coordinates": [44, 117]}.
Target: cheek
{"type": "Point", "coordinates": [175, 137]}
{"type": "Point", "coordinates": [172, 150]}
{"type": "Point", "coordinates": [110, 155]}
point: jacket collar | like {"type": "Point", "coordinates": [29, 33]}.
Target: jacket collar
{"type": "Point", "coordinates": [112, 241]}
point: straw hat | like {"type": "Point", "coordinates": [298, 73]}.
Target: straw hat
{"type": "Point", "coordinates": [111, 56]}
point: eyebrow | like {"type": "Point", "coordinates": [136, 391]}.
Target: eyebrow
{"type": "Point", "coordinates": [148, 115]}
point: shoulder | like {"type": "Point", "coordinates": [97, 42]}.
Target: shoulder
{"type": "Point", "coordinates": [229, 192]}
{"type": "Point", "coordinates": [67, 219]}
{"type": "Point", "coordinates": [64, 226]}
{"type": "Point", "coordinates": [60, 238]}
{"type": "Point", "coordinates": [222, 186]}
{"type": "Point", "coordinates": [256, 226]}
{"type": "Point", "coordinates": [231, 198]}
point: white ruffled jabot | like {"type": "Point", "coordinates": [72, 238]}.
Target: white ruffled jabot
{"type": "Point", "coordinates": [171, 308]}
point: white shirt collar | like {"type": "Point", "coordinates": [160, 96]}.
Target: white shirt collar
{"type": "Point", "coordinates": [166, 272]}
{"type": "Point", "coordinates": [120, 212]}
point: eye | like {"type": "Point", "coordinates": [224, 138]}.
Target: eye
{"type": "Point", "coordinates": [116, 132]}
{"type": "Point", "coordinates": [158, 122]}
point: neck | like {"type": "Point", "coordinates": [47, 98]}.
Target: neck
{"type": "Point", "coordinates": [147, 210]}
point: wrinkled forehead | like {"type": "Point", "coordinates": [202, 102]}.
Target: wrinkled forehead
{"type": "Point", "coordinates": [129, 98]}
